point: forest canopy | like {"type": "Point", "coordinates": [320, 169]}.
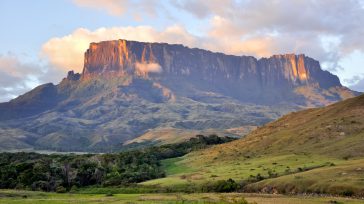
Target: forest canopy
{"type": "Point", "coordinates": [59, 173]}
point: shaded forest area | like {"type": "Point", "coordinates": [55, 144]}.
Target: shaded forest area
{"type": "Point", "coordinates": [61, 173]}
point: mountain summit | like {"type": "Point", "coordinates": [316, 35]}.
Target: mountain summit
{"type": "Point", "coordinates": [129, 89]}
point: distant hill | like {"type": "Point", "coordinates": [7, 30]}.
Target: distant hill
{"type": "Point", "coordinates": [335, 131]}
{"type": "Point", "coordinates": [319, 150]}
{"type": "Point", "coordinates": [129, 89]}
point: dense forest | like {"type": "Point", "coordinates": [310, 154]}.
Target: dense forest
{"type": "Point", "coordinates": [61, 173]}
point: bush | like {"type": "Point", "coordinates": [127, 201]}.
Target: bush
{"type": "Point", "coordinates": [74, 189]}
{"type": "Point", "coordinates": [109, 194]}
{"type": "Point", "coordinates": [348, 193]}
{"type": "Point", "coordinates": [347, 157]}
{"type": "Point", "coordinates": [221, 186]}
{"type": "Point", "coordinates": [61, 189]}
{"type": "Point", "coordinates": [259, 177]}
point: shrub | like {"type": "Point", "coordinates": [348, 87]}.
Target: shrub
{"type": "Point", "coordinates": [221, 186]}
{"type": "Point", "coordinates": [109, 194]}
{"type": "Point", "coordinates": [347, 157]}
{"type": "Point", "coordinates": [74, 189]}
{"type": "Point", "coordinates": [259, 177]}
{"type": "Point", "coordinates": [348, 193]}
{"type": "Point", "coordinates": [61, 189]}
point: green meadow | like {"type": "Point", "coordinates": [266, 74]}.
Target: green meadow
{"type": "Point", "coordinates": [187, 170]}
{"type": "Point", "coordinates": [20, 197]}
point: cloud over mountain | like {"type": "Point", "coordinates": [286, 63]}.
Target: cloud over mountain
{"type": "Point", "coordinates": [67, 52]}
{"type": "Point", "coordinates": [319, 28]}
{"type": "Point", "coordinates": [327, 30]}
{"type": "Point", "coordinates": [148, 67]}
{"type": "Point", "coordinates": [17, 77]}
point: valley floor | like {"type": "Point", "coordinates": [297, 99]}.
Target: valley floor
{"type": "Point", "coordinates": [15, 197]}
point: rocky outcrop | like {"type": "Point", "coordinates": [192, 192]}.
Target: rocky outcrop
{"type": "Point", "coordinates": [73, 76]}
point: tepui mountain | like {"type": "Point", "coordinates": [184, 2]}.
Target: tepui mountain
{"type": "Point", "coordinates": [133, 91]}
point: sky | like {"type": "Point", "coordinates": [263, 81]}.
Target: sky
{"type": "Point", "coordinates": [40, 40]}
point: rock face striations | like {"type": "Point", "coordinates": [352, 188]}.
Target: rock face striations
{"type": "Point", "coordinates": [128, 89]}
{"type": "Point", "coordinates": [265, 81]}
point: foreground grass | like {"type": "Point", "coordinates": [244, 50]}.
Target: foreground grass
{"type": "Point", "coordinates": [187, 170]}
{"type": "Point", "coordinates": [344, 179]}
{"type": "Point", "coordinates": [15, 197]}
{"type": "Point", "coordinates": [286, 174]}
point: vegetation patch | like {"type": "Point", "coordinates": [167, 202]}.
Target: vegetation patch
{"type": "Point", "coordinates": [62, 173]}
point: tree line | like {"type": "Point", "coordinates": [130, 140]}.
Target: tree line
{"type": "Point", "coordinates": [61, 173]}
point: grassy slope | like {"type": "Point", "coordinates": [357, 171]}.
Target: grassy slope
{"type": "Point", "coordinates": [15, 197]}
{"type": "Point", "coordinates": [312, 138]}
{"type": "Point", "coordinates": [162, 136]}
{"type": "Point", "coordinates": [347, 179]}
{"type": "Point", "coordinates": [186, 170]}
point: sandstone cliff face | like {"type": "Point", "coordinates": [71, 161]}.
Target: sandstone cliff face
{"type": "Point", "coordinates": [266, 80]}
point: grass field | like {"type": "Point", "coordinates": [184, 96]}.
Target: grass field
{"type": "Point", "coordinates": [190, 170]}
{"type": "Point", "coordinates": [288, 174]}
{"type": "Point", "coordinates": [17, 197]}
{"type": "Point", "coordinates": [346, 178]}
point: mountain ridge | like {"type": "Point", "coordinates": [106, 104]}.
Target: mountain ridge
{"type": "Point", "coordinates": [297, 68]}
{"type": "Point", "coordinates": [145, 55]}
{"type": "Point", "coordinates": [266, 80]}
{"type": "Point", "coordinates": [129, 88]}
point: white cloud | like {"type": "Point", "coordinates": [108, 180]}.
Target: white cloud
{"type": "Point", "coordinates": [282, 26]}
{"type": "Point", "coordinates": [327, 30]}
{"type": "Point", "coordinates": [148, 67]}
{"type": "Point", "coordinates": [17, 77]}
{"type": "Point", "coordinates": [358, 85]}
{"type": "Point", "coordinates": [356, 82]}
{"type": "Point", "coordinates": [113, 7]}
{"type": "Point", "coordinates": [137, 8]}
{"type": "Point", "coordinates": [67, 53]}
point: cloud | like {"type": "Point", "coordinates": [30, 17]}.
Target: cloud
{"type": "Point", "coordinates": [136, 8]}
{"type": "Point", "coordinates": [282, 26]}
{"type": "Point", "coordinates": [359, 86]}
{"type": "Point", "coordinates": [327, 30]}
{"type": "Point", "coordinates": [263, 27]}
{"type": "Point", "coordinates": [356, 83]}
{"type": "Point", "coordinates": [113, 7]}
{"type": "Point", "coordinates": [202, 9]}
{"type": "Point", "coordinates": [205, 8]}
{"type": "Point", "coordinates": [148, 67]}
{"type": "Point", "coordinates": [18, 77]}
{"type": "Point", "coordinates": [67, 53]}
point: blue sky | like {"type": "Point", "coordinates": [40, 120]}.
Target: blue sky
{"type": "Point", "coordinates": [42, 39]}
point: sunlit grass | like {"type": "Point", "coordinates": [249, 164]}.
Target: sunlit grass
{"type": "Point", "coordinates": [18, 197]}
{"type": "Point", "coordinates": [184, 171]}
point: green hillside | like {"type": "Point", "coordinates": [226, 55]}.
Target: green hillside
{"type": "Point", "coordinates": [317, 150]}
